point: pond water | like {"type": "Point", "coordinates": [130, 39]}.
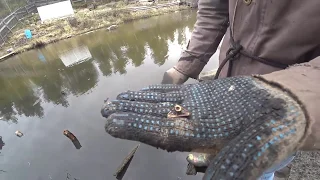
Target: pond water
{"type": "Point", "coordinates": [63, 86]}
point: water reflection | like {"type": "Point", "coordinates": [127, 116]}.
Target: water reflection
{"type": "Point", "coordinates": [75, 55]}
{"type": "Point", "coordinates": [72, 67]}
{"type": "Point", "coordinates": [41, 97]}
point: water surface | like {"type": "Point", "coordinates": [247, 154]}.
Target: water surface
{"type": "Point", "coordinates": [63, 85]}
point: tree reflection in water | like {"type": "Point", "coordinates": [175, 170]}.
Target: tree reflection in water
{"type": "Point", "coordinates": [71, 68]}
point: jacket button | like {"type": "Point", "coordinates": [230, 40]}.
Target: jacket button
{"type": "Point", "coordinates": [247, 2]}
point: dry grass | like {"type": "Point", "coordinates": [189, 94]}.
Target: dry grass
{"type": "Point", "coordinates": [83, 21]}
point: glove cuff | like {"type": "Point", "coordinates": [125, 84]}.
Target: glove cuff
{"type": "Point", "coordinates": [276, 82]}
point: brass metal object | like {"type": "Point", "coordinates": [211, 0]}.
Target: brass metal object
{"type": "Point", "coordinates": [177, 108]}
{"type": "Point", "coordinates": [178, 111]}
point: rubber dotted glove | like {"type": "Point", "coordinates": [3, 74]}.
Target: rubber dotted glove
{"type": "Point", "coordinates": [248, 124]}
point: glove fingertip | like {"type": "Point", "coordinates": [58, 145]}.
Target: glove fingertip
{"type": "Point", "coordinates": [145, 88]}
{"type": "Point", "coordinates": [123, 96]}
{"type": "Point", "coordinates": [106, 109]}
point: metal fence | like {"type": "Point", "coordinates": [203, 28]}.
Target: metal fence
{"type": "Point", "coordinates": [9, 22]}
{"type": "Point", "coordinates": [9, 6]}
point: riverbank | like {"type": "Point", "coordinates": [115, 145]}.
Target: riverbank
{"type": "Point", "coordinates": [84, 21]}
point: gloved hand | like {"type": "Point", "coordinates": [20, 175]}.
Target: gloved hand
{"type": "Point", "coordinates": [198, 160]}
{"type": "Point", "coordinates": [172, 76]}
{"type": "Point", "coordinates": [250, 123]}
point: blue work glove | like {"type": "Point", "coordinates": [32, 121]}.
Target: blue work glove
{"type": "Point", "coordinates": [246, 123]}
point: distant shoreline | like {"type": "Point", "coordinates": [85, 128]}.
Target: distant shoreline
{"type": "Point", "coordinates": [84, 21]}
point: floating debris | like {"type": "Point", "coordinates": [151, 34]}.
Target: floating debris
{"type": "Point", "coordinates": [231, 88]}
{"type": "Point", "coordinates": [19, 133]}
{"type": "Point", "coordinates": [125, 164]}
{"type": "Point", "coordinates": [37, 101]}
{"type": "Point", "coordinates": [69, 135]}
{"type": "Point", "coordinates": [178, 111]}
{"type": "Point", "coordinates": [68, 176]}
{"type": "Point", "coordinates": [1, 171]}
{"type": "Point", "coordinates": [73, 138]}
{"type": "Point", "coordinates": [1, 143]}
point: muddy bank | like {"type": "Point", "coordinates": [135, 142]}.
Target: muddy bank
{"type": "Point", "coordinates": [84, 21]}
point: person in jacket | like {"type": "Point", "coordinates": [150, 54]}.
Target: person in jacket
{"type": "Point", "coordinates": [261, 108]}
{"type": "Point", "coordinates": [252, 42]}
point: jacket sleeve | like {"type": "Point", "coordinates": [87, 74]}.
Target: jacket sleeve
{"type": "Point", "coordinates": [303, 82]}
{"type": "Point", "coordinates": [211, 25]}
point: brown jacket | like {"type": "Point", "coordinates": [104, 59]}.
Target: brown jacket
{"type": "Point", "coordinates": [280, 31]}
